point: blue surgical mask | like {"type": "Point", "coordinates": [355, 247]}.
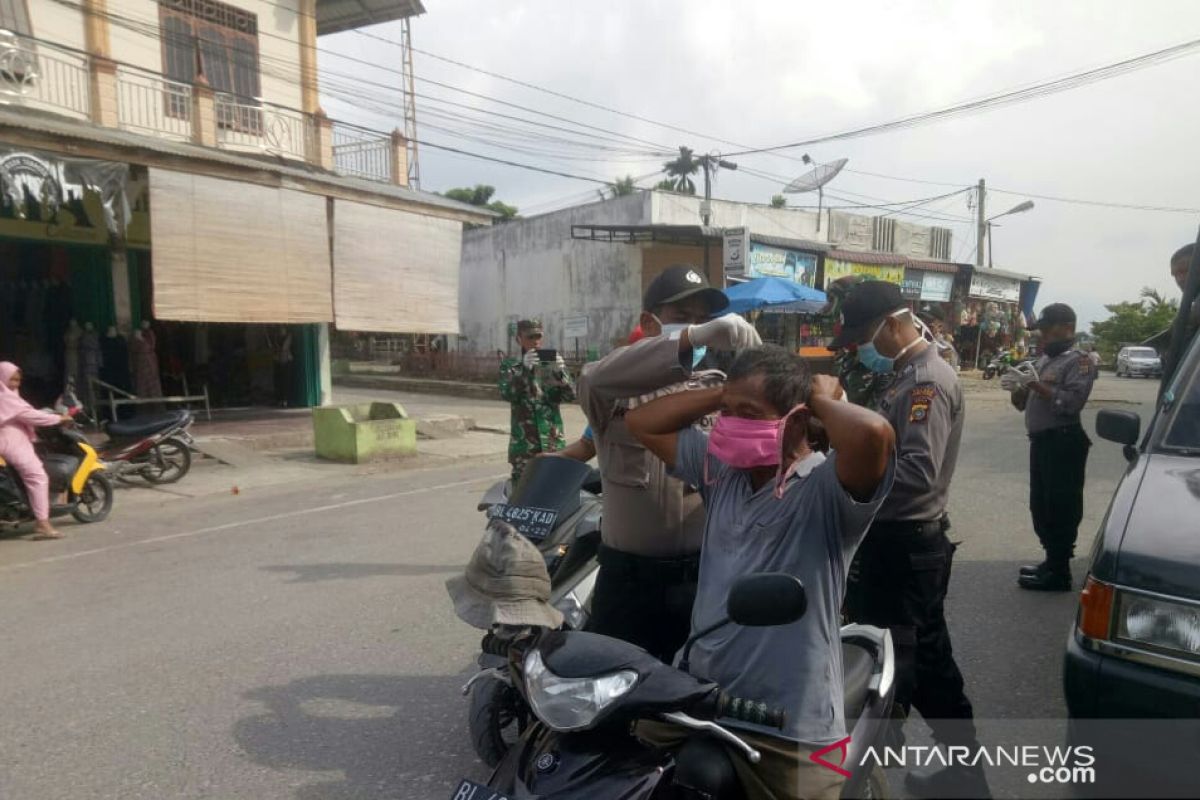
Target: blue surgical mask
{"type": "Point", "coordinates": [870, 357]}
{"type": "Point", "coordinates": [673, 332]}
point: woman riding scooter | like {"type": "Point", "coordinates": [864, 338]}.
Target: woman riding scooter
{"type": "Point", "coordinates": [17, 422]}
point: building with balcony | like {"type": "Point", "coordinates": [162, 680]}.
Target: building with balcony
{"type": "Point", "coordinates": [169, 185]}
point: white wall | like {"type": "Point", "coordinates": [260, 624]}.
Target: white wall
{"type": "Point", "coordinates": [131, 42]}
{"type": "Point", "coordinates": [533, 268]}
{"type": "Point", "coordinates": [674, 209]}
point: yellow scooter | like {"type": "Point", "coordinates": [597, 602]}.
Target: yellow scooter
{"type": "Point", "coordinates": [73, 467]}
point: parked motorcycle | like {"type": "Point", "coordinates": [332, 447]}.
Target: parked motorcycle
{"type": "Point", "coordinates": [73, 467]}
{"type": "Point", "coordinates": [557, 506]}
{"type": "Point", "coordinates": [157, 448]}
{"type": "Point", "coordinates": [586, 691]}
{"type": "Point", "coordinates": [997, 364]}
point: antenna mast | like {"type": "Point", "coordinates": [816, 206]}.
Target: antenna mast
{"type": "Point", "coordinates": [410, 103]}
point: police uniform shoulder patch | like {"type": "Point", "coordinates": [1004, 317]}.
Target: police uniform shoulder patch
{"type": "Point", "coordinates": [922, 398]}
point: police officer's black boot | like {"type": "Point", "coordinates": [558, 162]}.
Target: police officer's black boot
{"type": "Point", "coordinates": [1030, 569]}
{"type": "Point", "coordinates": [957, 780]}
{"type": "Point", "coordinates": [1051, 576]}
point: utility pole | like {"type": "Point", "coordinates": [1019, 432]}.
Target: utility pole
{"type": "Point", "coordinates": [711, 163]}
{"type": "Point", "coordinates": [982, 226]}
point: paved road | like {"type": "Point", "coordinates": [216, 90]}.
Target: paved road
{"type": "Point", "coordinates": [295, 641]}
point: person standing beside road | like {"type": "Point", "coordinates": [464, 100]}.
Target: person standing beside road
{"type": "Point", "coordinates": [901, 572]}
{"type": "Point", "coordinates": [653, 523]}
{"type": "Point", "coordinates": [1052, 393]}
{"type": "Point", "coordinates": [534, 389]}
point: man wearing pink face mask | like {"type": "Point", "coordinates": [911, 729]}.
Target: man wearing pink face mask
{"type": "Point", "coordinates": [774, 505]}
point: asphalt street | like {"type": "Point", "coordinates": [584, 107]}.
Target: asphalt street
{"type": "Point", "coordinates": [296, 641]}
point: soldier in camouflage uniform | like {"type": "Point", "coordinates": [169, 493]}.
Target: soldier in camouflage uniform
{"type": "Point", "coordinates": [863, 387]}
{"type": "Point", "coordinates": [534, 389]}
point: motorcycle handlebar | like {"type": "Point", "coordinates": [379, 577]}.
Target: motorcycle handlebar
{"type": "Point", "coordinates": [727, 706]}
{"type": "Point", "coordinates": [494, 646]}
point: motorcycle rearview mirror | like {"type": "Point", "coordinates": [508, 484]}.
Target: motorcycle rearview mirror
{"type": "Point", "coordinates": [760, 600]}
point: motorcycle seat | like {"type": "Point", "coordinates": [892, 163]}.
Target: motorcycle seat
{"type": "Point", "coordinates": [858, 664]}
{"type": "Point", "coordinates": [145, 426]}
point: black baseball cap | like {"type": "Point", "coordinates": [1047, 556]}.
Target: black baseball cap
{"type": "Point", "coordinates": [679, 282]}
{"type": "Point", "coordinates": [1056, 314]}
{"type": "Point", "coordinates": [864, 304]}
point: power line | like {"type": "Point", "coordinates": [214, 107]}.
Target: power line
{"type": "Point", "coordinates": [1001, 99]}
{"type": "Point", "coordinates": [1099, 203]}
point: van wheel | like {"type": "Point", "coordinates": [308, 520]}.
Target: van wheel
{"type": "Point", "coordinates": [95, 501]}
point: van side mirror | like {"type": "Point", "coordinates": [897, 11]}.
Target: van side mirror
{"type": "Point", "coordinates": [1122, 427]}
{"type": "Point", "coordinates": [765, 599]}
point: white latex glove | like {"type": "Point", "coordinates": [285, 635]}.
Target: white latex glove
{"type": "Point", "coordinates": [729, 332]}
{"type": "Point", "coordinates": [560, 364]}
{"type": "Point", "coordinates": [530, 359]}
{"type": "Point", "coordinates": [1027, 373]}
{"type": "Point", "coordinates": [1009, 383]}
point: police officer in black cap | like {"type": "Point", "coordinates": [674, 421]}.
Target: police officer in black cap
{"type": "Point", "coordinates": [1052, 393]}
{"type": "Point", "coordinates": [901, 572]}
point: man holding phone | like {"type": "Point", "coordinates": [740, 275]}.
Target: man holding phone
{"type": "Point", "coordinates": [534, 386]}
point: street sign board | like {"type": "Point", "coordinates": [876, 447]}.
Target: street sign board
{"type": "Point", "coordinates": [575, 327]}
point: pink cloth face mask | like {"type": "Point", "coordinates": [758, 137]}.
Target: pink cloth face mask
{"type": "Point", "coordinates": [749, 443]}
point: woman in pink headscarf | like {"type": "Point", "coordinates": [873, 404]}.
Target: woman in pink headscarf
{"type": "Point", "coordinates": [17, 421]}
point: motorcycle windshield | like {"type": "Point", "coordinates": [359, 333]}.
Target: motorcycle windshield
{"type": "Point", "coordinates": [551, 484]}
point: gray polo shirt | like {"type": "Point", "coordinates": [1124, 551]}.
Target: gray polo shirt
{"type": "Point", "coordinates": [1069, 378]}
{"type": "Point", "coordinates": [811, 533]}
{"type": "Point", "coordinates": [925, 406]}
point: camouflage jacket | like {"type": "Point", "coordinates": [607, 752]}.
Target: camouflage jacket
{"type": "Point", "coordinates": [863, 387]}
{"type": "Point", "coordinates": [535, 395]}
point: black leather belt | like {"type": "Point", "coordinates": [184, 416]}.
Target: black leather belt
{"type": "Point", "coordinates": [650, 568]}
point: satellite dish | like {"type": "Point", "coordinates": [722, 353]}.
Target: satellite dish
{"type": "Point", "coordinates": [816, 178]}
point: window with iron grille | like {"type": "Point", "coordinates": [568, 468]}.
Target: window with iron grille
{"type": "Point", "coordinates": [222, 41]}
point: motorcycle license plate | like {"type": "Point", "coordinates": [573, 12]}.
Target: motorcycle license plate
{"type": "Point", "coordinates": [533, 523]}
{"type": "Point", "coordinates": [470, 790]}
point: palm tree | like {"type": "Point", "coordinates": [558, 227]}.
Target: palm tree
{"type": "Point", "coordinates": [622, 186]}
{"type": "Point", "coordinates": [681, 170]}
{"type": "Point", "coordinates": [665, 185]}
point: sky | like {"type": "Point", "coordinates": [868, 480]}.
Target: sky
{"type": "Point", "coordinates": [762, 73]}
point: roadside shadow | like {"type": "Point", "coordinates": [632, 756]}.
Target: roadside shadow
{"type": "Point", "coordinates": [311, 573]}
{"type": "Point", "coordinates": [375, 735]}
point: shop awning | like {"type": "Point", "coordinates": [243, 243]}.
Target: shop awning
{"type": "Point", "coordinates": [228, 251]}
{"type": "Point", "coordinates": [394, 271]}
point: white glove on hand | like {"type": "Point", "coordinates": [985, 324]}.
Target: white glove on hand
{"type": "Point", "coordinates": [1009, 383]}
{"type": "Point", "coordinates": [729, 332]}
{"type": "Point", "coordinates": [559, 364]}
{"type": "Point", "coordinates": [530, 359]}
{"type": "Point", "coordinates": [1026, 374]}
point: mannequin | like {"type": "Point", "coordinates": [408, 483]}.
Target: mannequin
{"type": "Point", "coordinates": [90, 359]}
{"type": "Point", "coordinates": [144, 355]}
{"type": "Point", "coordinates": [71, 351]}
{"type": "Point", "coordinates": [115, 353]}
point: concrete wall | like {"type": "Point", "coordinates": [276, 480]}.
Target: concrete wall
{"type": "Point", "coordinates": [57, 23]}
{"type": "Point", "coordinates": [533, 268]}
{"type": "Point", "coordinates": [674, 209]}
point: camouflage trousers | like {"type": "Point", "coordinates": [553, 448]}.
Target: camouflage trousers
{"type": "Point", "coordinates": [518, 465]}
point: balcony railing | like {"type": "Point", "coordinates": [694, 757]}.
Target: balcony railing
{"type": "Point", "coordinates": [150, 104]}
{"type": "Point", "coordinates": [362, 153]}
{"type": "Point", "coordinates": [263, 127]}
{"type": "Point", "coordinates": [37, 75]}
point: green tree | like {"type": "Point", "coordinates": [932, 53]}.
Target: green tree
{"type": "Point", "coordinates": [481, 195]}
{"type": "Point", "coordinates": [665, 185]}
{"type": "Point", "coordinates": [1133, 322]}
{"type": "Point", "coordinates": [681, 169]}
{"type": "Point", "coordinates": [778, 201]}
{"type": "Point", "coordinates": [622, 186]}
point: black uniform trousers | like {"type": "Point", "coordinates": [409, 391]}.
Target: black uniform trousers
{"type": "Point", "coordinates": [645, 601]}
{"type": "Point", "coordinates": [898, 580]}
{"type": "Point", "coordinates": [1057, 467]}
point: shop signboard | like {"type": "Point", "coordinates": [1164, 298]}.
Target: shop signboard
{"type": "Point", "coordinates": [768, 261]}
{"type": "Point", "coordinates": [910, 287]}
{"type": "Point", "coordinates": [937, 287]}
{"type": "Point", "coordinates": [835, 269]}
{"type": "Point", "coordinates": [995, 287]}
{"type": "Point", "coordinates": [736, 243]}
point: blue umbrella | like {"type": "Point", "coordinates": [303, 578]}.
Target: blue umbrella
{"type": "Point", "coordinates": [767, 292]}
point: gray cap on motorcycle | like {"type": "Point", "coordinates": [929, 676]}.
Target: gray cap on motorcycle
{"type": "Point", "coordinates": [505, 583]}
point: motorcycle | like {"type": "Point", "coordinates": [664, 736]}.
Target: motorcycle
{"type": "Point", "coordinates": [587, 690]}
{"type": "Point", "coordinates": [557, 506]}
{"type": "Point", "coordinates": [74, 467]}
{"type": "Point", "coordinates": [157, 448]}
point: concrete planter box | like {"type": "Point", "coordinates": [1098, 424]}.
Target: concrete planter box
{"type": "Point", "coordinates": [369, 432]}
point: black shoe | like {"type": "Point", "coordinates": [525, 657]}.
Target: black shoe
{"type": "Point", "coordinates": [955, 781]}
{"type": "Point", "coordinates": [1033, 569]}
{"type": "Point", "coordinates": [1049, 580]}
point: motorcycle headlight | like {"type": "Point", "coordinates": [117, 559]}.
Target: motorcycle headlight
{"type": "Point", "coordinates": [1159, 623]}
{"type": "Point", "coordinates": [572, 704]}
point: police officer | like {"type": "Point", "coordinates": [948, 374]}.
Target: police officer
{"type": "Point", "coordinates": [1052, 394]}
{"type": "Point", "coordinates": [901, 572]}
